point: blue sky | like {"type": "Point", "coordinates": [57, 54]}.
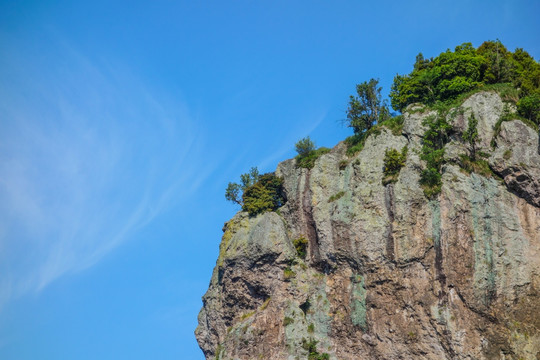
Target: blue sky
{"type": "Point", "coordinates": [121, 124]}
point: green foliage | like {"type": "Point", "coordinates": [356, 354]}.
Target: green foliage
{"type": "Point", "coordinates": [288, 321]}
{"type": "Point", "coordinates": [307, 160]}
{"type": "Point", "coordinates": [367, 108]}
{"type": "Point", "coordinates": [445, 77]}
{"type": "Point", "coordinates": [233, 193]}
{"type": "Point", "coordinates": [393, 162]}
{"type": "Point", "coordinates": [433, 141]}
{"type": "Point", "coordinates": [478, 166]}
{"type": "Point", "coordinates": [430, 179]}
{"type": "Point", "coordinates": [394, 124]}
{"type": "Point", "coordinates": [337, 196]}
{"type": "Point", "coordinates": [311, 328]}
{"type": "Point", "coordinates": [256, 193]}
{"type": "Point", "coordinates": [471, 135]}
{"type": "Point", "coordinates": [300, 244]}
{"type": "Point", "coordinates": [311, 347]}
{"type": "Point", "coordinates": [356, 142]}
{"type": "Point", "coordinates": [304, 146]}
{"type": "Point", "coordinates": [250, 178]}
{"type": "Point", "coordinates": [529, 107]}
{"type": "Point", "coordinates": [288, 273]}
{"type": "Point", "coordinates": [264, 195]}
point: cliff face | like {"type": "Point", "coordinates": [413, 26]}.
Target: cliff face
{"type": "Point", "coordinates": [388, 274]}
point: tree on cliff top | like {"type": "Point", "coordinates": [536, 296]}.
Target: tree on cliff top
{"type": "Point", "coordinates": [367, 108]}
{"type": "Point", "coordinates": [256, 193]}
{"type": "Point", "coordinates": [451, 74]}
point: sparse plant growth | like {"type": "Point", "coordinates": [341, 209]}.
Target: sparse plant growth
{"type": "Point", "coordinates": [300, 244]}
{"type": "Point", "coordinates": [343, 164]}
{"type": "Point", "coordinates": [478, 166]}
{"type": "Point", "coordinates": [265, 304]}
{"type": "Point", "coordinates": [311, 328]}
{"type": "Point", "coordinates": [393, 162]}
{"type": "Point", "coordinates": [394, 124]}
{"type": "Point", "coordinates": [311, 347]}
{"type": "Point", "coordinates": [288, 321]}
{"type": "Point", "coordinates": [308, 161]}
{"type": "Point", "coordinates": [337, 196]}
{"type": "Point", "coordinates": [507, 154]}
{"type": "Point", "coordinates": [308, 153]}
{"type": "Point", "coordinates": [433, 142]}
{"type": "Point", "coordinates": [247, 315]}
{"type": "Point", "coordinates": [412, 336]}
{"type": "Point", "coordinates": [256, 193]}
{"type": "Point", "coordinates": [471, 136]}
{"type": "Point", "coordinates": [288, 274]}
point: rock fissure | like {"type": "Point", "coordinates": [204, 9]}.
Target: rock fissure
{"type": "Point", "coordinates": [390, 208]}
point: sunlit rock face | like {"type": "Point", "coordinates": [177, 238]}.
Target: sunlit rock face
{"type": "Point", "coordinates": [388, 273]}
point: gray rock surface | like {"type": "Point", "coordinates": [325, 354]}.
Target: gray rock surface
{"type": "Point", "coordinates": [388, 273]}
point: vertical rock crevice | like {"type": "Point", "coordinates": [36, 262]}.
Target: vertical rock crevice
{"type": "Point", "coordinates": [310, 225]}
{"type": "Point", "coordinates": [389, 202]}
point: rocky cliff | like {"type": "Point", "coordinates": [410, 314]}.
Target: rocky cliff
{"type": "Point", "coordinates": [389, 274]}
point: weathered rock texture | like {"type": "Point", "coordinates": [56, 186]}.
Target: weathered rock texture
{"type": "Point", "coordinates": [388, 274]}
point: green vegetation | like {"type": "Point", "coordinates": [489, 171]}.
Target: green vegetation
{"type": "Point", "coordinates": [394, 124]}
{"type": "Point", "coordinates": [304, 146]}
{"type": "Point", "coordinates": [287, 321]}
{"type": "Point", "coordinates": [367, 108]}
{"type": "Point", "coordinates": [529, 107]}
{"type": "Point", "coordinates": [471, 135]}
{"type": "Point", "coordinates": [451, 74]}
{"type": "Point", "coordinates": [507, 115]}
{"type": "Point", "coordinates": [478, 166]}
{"type": "Point", "coordinates": [288, 273]}
{"type": "Point", "coordinates": [366, 114]}
{"type": "Point", "coordinates": [337, 196]}
{"type": "Point", "coordinates": [247, 315]}
{"type": "Point", "coordinates": [393, 162]}
{"type": "Point", "coordinates": [308, 153]}
{"type": "Point", "coordinates": [433, 141]}
{"type": "Point", "coordinates": [311, 328]}
{"type": "Point", "coordinates": [308, 161]}
{"type": "Point", "coordinates": [219, 349]}
{"type": "Point", "coordinates": [300, 244]}
{"type": "Point", "coordinates": [265, 303]}
{"type": "Point", "coordinates": [311, 347]}
{"type": "Point", "coordinates": [256, 193]}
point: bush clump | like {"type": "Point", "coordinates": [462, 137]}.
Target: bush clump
{"type": "Point", "coordinates": [433, 142]}
{"type": "Point", "coordinates": [393, 162]}
{"type": "Point", "coordinates": [300, 244]}
{"type": "Point", "coordinates": [313, 353]}
{"type": "Point", "coordinates": [256, 193]}
{"type": "Point", "coordinates": [308, 153]}
{"type": "Point", "coordinates": [452, 73]}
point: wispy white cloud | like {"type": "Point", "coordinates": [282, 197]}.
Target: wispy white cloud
{"type": "Point", "coordinates": [304, 128]}
{"type": "Point", "coordinates": [88, 155]}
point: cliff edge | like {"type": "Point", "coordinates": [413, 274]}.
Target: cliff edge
{"type": "Point", "coordinates": [389, 273]}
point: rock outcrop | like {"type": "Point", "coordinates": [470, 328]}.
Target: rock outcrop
{"type": "Point", "coordinates": [388, 274]}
